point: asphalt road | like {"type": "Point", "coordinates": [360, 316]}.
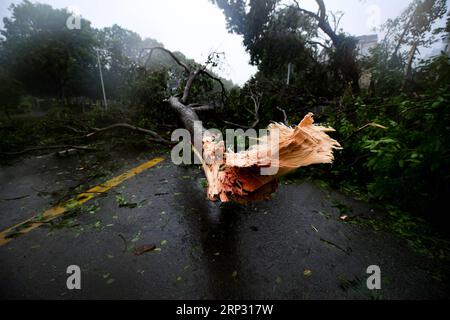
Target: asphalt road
{"type": "Point", "coordinates": [291, 247]}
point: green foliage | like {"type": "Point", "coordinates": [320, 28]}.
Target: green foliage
{"type": "Point", "coordinates": [148, 91]}
{"type": "Point", "coordinates": [408, 163]}
{"type": "Point", "coordinates": [41, 52]}
{"type": "Point", "coordinates": [276, 35]}
{"type": "Point", "coordinates": [412, 29]}
{"type": "Point", "coordinates": [10, 92]}
{"type": "Point", "coordinates": [53, 61]}
{"type": "Point", "coordinates": [419, 233]}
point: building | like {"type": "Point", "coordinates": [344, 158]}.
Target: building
{"type": "Point", "coordinates": [365, 43]}
{"type": "Point", "coordinates": [446, 44]}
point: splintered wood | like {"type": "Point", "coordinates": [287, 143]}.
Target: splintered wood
{"type": "Point", "coordinates": [240, 177]}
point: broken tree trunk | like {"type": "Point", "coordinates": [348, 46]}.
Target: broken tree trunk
{"type": "Point", "coordinates": [239, 176]}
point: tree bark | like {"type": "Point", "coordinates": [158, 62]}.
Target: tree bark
{"type": "Point", "coordinates": [187, 115]}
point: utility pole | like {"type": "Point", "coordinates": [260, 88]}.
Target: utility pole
{"type": "Point", "coordinates": [289, 73]}
{"type": "Point", "coordinates": [101, 80]}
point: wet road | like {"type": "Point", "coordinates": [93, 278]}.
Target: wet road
{"type": "Point", "coordinates": [292, 247]}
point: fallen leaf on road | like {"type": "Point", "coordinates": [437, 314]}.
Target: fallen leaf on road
{"type": "Point", "coordinates": [136, 237]}
{"type": "Point", "coordinates": [307, 273]}
{"type": "Point", "coordinates": [143, 249]}
{"type": "Point", "coordinates": [128, 205]}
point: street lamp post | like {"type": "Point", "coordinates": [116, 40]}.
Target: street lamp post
{"type": "Point", "coordinates": [101, 80]}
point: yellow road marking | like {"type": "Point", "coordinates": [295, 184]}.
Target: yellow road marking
{"type": "Point", "coordinates": [55, 212]}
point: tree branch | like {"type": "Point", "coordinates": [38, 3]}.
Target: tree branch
{"type": "Point", "coordinates": [49, 148]}
{"type": "Point", "coordinates": [189, 82]}
{"type": "Point", "coordinates": [172, 55]}
{"type": "Point", "coordinates": [204, 72]}
{"type": "Point", "coordinates": [201, 108]}
{"type": "Point", "coordinates": [317, 43]}
{"type": "Point", "coordinates": [192, 74]}
{"type": "Point", "coordinates": [236, 125]}
{"type": "Point", "coordinates": [321, 18]}
{"type": "Point", "coordinates": [285, 119]}
{"type": "Point", "coordinates": [256, 98]}
{"type": "Point", "coordinates": [155, 137]}
{"type": "Point", "coordinates": [371, 124]}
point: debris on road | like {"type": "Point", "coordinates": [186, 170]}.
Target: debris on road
{"type": "Point", "coordinates": [124, 242]}
{"type": "Point", "coordinates": [15, 198]}
{"type": "Point", "coordinates": [307, 273]}
{"type": "Point", "coordinates": [125, 204]}
{"type": "Point", "coordinates": [143, 249]}
{"type": "Point", "coordinates": [336, 246]}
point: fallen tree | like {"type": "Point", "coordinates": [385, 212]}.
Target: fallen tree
{"type": "Point", "coordinates": [238, 176]}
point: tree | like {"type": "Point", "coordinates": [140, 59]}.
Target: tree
{"type": "Point", "coordinates": [10, 92]}
{"type": "Point", "coordinates": [272, 30]}
{"type": "Point", "coordinates": [413, 29]}
{"type": "Point", "coordinates": [42, 53]}
{"type": "Point", "coordinates": [118, 48]}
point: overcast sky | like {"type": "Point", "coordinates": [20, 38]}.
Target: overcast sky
{"type": "Point", "coordinates": [197, 27]}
